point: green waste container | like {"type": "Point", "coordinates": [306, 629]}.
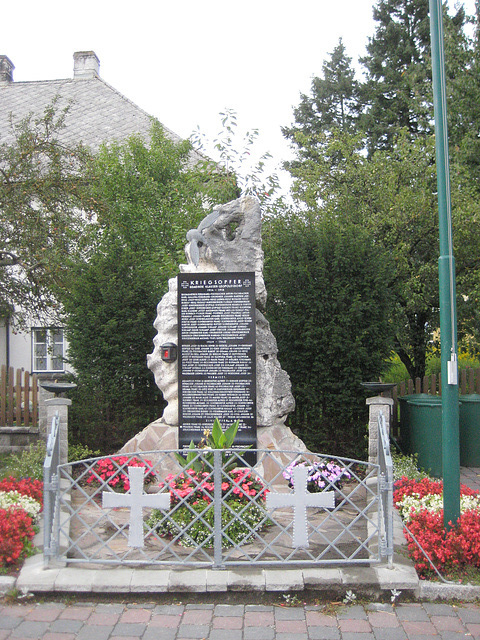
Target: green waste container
{"type": "Point", "coordinates": [470, 430]}
{"type": "Point", "coordinates": [405, 438]}
{"type": "Point", "coordinates": [425, 431]}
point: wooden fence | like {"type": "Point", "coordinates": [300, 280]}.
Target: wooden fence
{"type": "Point", "coordinates": [18, 398]}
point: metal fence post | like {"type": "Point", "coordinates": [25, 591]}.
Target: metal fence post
{"type": "Point", "coordinates": [50, 488]}
{"type": "Point", "coordinates": [217, 507]}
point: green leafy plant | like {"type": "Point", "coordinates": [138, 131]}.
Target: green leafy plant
{"type": "Point", "coordinates": [81, 452]}
{"type": "Point", "coordinates": [192, 531]}
{"type": "Point", "coordinates": [191, 495]}
{"type": "Point", "coordinates": [28, 463]}
{"type": "Point", "coordinates": [214, 439]}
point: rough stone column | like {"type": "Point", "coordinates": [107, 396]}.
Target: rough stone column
{"type": "Point", "coordinates": [377, 405]}
{"type": "Point", "coordinates": [61, 405]}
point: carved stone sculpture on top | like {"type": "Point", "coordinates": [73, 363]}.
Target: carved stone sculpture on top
{"type": "Point", "coordinates": [228, 239]}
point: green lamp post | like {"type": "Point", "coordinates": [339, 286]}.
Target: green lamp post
{"type": "Point", "coordinates": [446, 270]}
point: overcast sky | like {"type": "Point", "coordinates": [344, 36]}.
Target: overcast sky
{"type": "Point", "coordinates": [184, 61]}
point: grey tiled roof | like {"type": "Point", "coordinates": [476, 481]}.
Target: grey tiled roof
{"type": "Point", "coordinates": [98, 112]}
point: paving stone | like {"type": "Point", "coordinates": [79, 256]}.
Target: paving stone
{"type": "Point", "coordinates": [152, 633]}
{"type": "Point", "coordinates": [135, 630]}
{"type": "Point", "coordinates": [439, 609]}
{"type": "Point", "coordinates": [66, 626]}
{"type": "Point", "coordinates": [291, 626]}
{"type": "Point", "coordinates": [354, 612]}
{"type": "Point", "coordinates": [318, 619]}
{"type": "Point", "coordinates": [197, 616]}
{"type": "Point", "coordinates": [354, 625]}
{"type": "Point", "coordinates": [412, 612]}
{"type": "Point", "coordinates": [229, 610]}
{"type": "Point", "coordinates": [226, 622]}
{"type": "Point", "coordinates": [30, 629]}
{"type": "Point", "coordinates": [193, 631]}
{"type": "Point", "coordinates": [135, 616]}
{"type": "Point", "coordinates": [219, 634]}
{"type": "Point", "coordinates": [258, 607]}
{"type": "Point", "coordinates": [353, 635]}
{"type": "Point", "coordinates": [452, 635]}
{"type": "Point", "coordinates": [52, 635]}
{"type": "Point", "coordinates": [258, 619]}
{"type": "Point", "coordinates": [43, 614]}
{"type": "Point", "coordinates": [258, 633]}
{"type": "Point", "coordinates": [419, 628]}
{"type": "Point", "coordinates": [170, 609]}
{"type": "Point", "coordinates": [393, 633]}
{"type": "Point", "coordinates": [473, 628]}
{"type": "Point", "coordinates": [291, 636]}
{"type": "Point", "coordinates": [448, 623]}
{"type": "Point", "coordinates": [383, 619]}
{"type": "Point", "coordinates": [289, 613]}
{"type": "Point", "coordinates": [199, 607]}
{"type": "Point", "coordinates": [9, 622]}
{"type": "Point", "coordinates": [94, 632]}
{"type": "Point", "coordinates": [469, 613]}
{"type": "Point", "coordinates": [75, 613]}
{"type": "Point", "coordinates": [104, 618]}
{"type": "Point", "coordinates": [162, 620]}
{"type": "Point", "coordinates": [110, 607]}
{"type": "Point", "coordinates": [324, 633]}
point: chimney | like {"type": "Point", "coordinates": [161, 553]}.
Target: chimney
{"type": "Point", "coordinates": [6, 69]}
{"type": "Point", "coordinates": [85, 65]}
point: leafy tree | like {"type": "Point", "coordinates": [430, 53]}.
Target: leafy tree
{"type": "Point", "coordinates": [333, 103]}
{"type": "Point", "coordinates": [41, 192]}
{"type": "Point", "coordinates": [147, 196]}
{"type": "Point", "coordinates": [398, 92]}
{"type": "Point", "coordinates": [328, 306]}
{"type": "Point", "coordinates": [392, 195]}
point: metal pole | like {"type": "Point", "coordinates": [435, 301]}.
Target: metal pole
{"type": "Point", "coordinates": [446, 271]}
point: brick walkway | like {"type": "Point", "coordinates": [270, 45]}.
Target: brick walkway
{"type": "Point", "coordinates": [95, 621]}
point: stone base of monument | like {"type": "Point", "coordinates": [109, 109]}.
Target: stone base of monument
{"type": "Point", "coordinates": [158, 436]}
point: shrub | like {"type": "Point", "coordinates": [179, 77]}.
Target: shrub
{"type": "Point", "coordinates": [81, 452]}
{"type": "Point", "coordinates": [28, 464]}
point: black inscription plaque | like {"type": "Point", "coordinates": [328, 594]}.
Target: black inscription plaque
{"type": "Point", "coordinates": [216, 331]}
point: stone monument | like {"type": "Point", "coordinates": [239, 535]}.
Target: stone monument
{"type": "Point", "coordinates": [227, 240]}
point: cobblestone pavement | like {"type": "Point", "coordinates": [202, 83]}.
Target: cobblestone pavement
{"type": "Point", "coordinates": [58, 620]}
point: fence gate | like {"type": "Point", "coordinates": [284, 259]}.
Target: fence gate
{"type": "Point", "coordinates": [219, 511]}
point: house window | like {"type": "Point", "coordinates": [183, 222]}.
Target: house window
{"type": "Point", "coordinates": [48, 349]}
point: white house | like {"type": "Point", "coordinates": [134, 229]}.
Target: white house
{"type": "Point", "coordinates": [98, 113]}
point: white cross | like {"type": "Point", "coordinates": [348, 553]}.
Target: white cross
{"type": "Point", "coordinates": [136, 499]}
{"type": "Point", "coordinates": [300, 499]}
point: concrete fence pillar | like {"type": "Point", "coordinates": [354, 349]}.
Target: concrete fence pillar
{"type": "Point", "coordinates": [377, 405]}
{"type": "Point", "coordinates": [61, 405]}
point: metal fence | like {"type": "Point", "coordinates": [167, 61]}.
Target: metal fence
{"type": "Point", "coordinates": [50, 490]}
{"type": "Point", "coordinates": [219, 511]}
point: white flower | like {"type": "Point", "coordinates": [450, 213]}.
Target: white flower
{"type": "Point", "coordinates": [434, 503]}
{"type": "Point", "coordinates": [15, 499]}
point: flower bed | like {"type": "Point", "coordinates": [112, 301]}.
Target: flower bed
{"type": "Point", "coordinates": [20, 503]}
{"type": "Point", "coordinates": [321, 476]}
{"type": "Point", "coordinates": [192, 520]}
{"type": "Point", "coordinates": [453, 550]}
{"type": "Point", "coordinates": [109, 471]}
